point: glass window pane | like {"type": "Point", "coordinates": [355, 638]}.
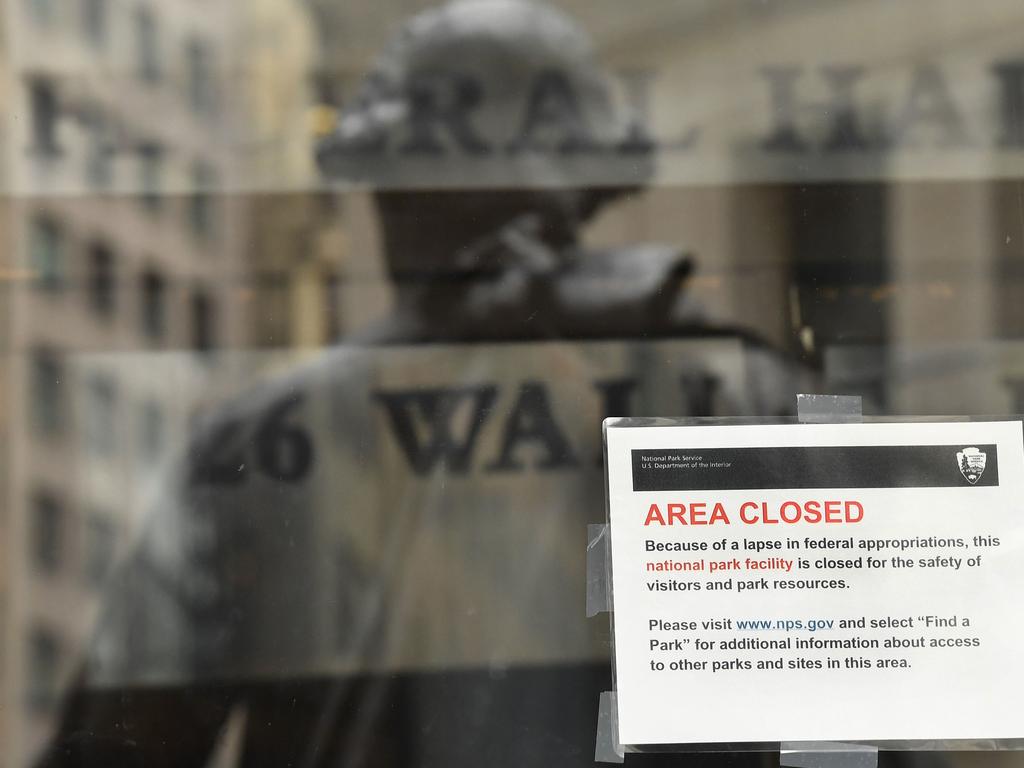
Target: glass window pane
{"type": "Point", "coordinates": [43, 668]}
{"type": "Point", "coordinates": [147, 46]}
{"type": "Point", "coordinates": [201, 203]}
{"type": "Point", "coordinates": [154, 305]}
{"type": "Point", "coordinates": [48, 387]}
{"type": "Point", "coordinates": [42, 11]}
{"type": "Point", "coordinates": [94, 21]}
{"type": "Point", "coordinates": [152, 432]}
{"type": "Point", "coordinates": [44, 112]}
{"type": "Point", "coordinates": [100, 541]}
{"type": "Point", "coordinates": [47, 535]}
{"type": "Point", "coordinates": [151, 176]}
{"type": "Point", "coordinates": [101, 425]}
{"type": "Point", "coordinates": [102, 280]}
{"type": "Point", "coordinates": [312, 310]}
{"type": "Point", "coordinates": [48, 253]}
{"type": "Point", "coordinates": [203, 321]}
{"type": "Point", "coordinates": [200, 76]}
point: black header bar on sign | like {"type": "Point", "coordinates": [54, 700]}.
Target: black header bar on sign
{"type": "Point", "coordinates": [848, 466]}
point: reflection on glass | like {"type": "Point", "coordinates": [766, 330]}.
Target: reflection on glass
{"type": "Point", "coordinates": [313, 309]}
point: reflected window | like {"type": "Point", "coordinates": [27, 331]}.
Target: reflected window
{"type": "Point", "coordinates": [154, 302]}
{"type": "Point", "coordinates": [94, 22]}
{"type": "Point", "coordinates": [202, 321]}
{"type": "Point", "coordinates": [100, 539]}
{"type": "Point", "coordinates": [840, 266]}
{"type": "Point", "coordinates": [47, 526]}
{"type": "Point", "coordinates": [147, 46]}
{"type": "Point", "coordinates": [201, 202]}
{"type": "Point", "coordinates": [271, 318]}
{"type": "Point", "coordinates": [150, 163]}
{"type": "Point", "coordinates": [42, 11]}
{"type": "Point", "coordinates": [43, 668]}
{"type": "Point", "coordinates": [101, 416]}
{"type": "Point", "coordinates": [151, 432]}
{"type": "Point", "coordinates": [326, 88]}
{"type": "Point", "coordinates": [99, 166]}
{"type": "Point", "coordinates": [1016, 389]}
{"type": "Point", "coordinates": [47, 392]}
{"type": "Point", "coordinates": [47, 253]}
{"type": "Point", "coordinates": [102, 280]}
{"type": "Point", "coordinates": [44, 110]}
{"type": "Point", "coordinates": [1008, 267]}
{"type": "Point", "coordinates": [332, 305]}
{"type": "Point", "coordinates": [198, 62]}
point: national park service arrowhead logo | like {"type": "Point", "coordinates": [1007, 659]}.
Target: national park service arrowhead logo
{"type": "Point", "coordinates": [972, 464]}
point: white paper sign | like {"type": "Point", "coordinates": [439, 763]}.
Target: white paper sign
{"type": "Point", "coordinates": [818, 582]}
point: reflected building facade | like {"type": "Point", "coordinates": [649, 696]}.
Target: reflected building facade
{"type": "Point", "coordinates": [123, 281]}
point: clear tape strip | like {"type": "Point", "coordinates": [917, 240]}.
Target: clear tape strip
{"type": "Point", "coordinates": [827, 754]}
{"type": "Point", "coordinates": [829, 409]}
{"type": "Point", "coordinates": [607, 748]}
{"type": "Point", "coordinates": [598, 592]}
